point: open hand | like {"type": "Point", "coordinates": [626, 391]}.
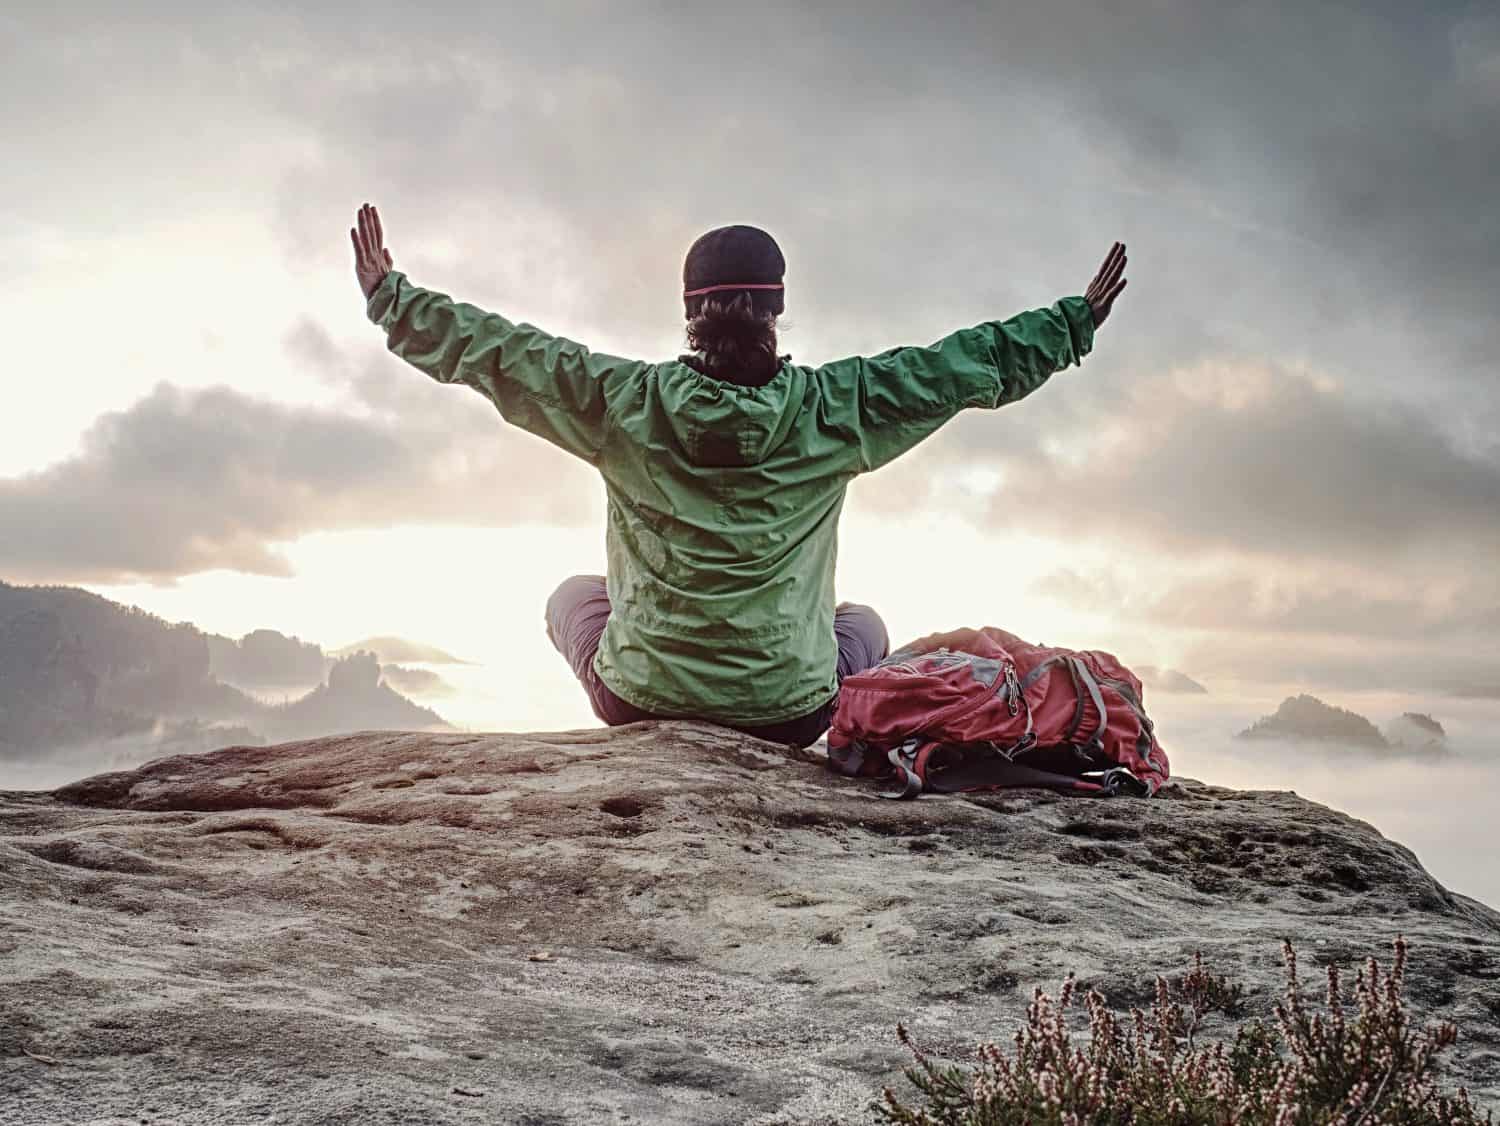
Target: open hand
{"type": "Point", "coordinates": [372, 261]}
{"type": "Point", "coordinates": [1106, 286]}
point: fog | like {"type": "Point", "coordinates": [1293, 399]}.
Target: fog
{"type": "Point", "coordinates": [1440, 805]}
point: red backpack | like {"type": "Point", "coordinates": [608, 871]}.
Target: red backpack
{"type": "Point", "coordinates": [983, 710]}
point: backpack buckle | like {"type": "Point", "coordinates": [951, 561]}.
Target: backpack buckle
{"type": "Point", "coordinates": [904, 759]}
{"type": "Point", "coordinates": [1119, 780]}
{"type": "Point", "coordinates": [1024, 743]}
{"type": "Point", "coordinates": [1012, 688]}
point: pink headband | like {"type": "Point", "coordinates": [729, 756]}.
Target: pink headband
{"type": "Point", "coordinates": [717, 288]}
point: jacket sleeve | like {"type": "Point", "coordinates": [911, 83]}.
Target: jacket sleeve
{"type": "Point", "coordinates": [552, 387]}
{"type": "Point", "coordinates": [886, 404]}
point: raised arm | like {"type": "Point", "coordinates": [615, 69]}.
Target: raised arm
{"type": "Point", "coordinates": [888, 403]}
{"type": "Point", "coordinates": [553, 387]}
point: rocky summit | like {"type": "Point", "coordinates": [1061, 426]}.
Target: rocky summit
{"type": "Point", "coordinates": [658, 924]}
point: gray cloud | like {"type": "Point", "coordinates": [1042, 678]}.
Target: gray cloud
{"type": "Point", "coordinates": [1315, 636]}
{"type": "Point", "coordinates": [186, 481]}
{"type": "Point", "coordinates": [1346, 664]}
{"type": "Point", "coordinates": [1236, 460]}
{"type": "Point", "coordinates": [1277, 468]}
{"type": "Point", "coordinates": [1305, 185]}
{"type": "Point", "coordinates": [1267, 624]}
{"type": "Point", "coordinates": [1295, 181]}
{"type": "Point", "coordinates": [1281, 604]}
{"type": "Point", "coordinates": [1341, 538]}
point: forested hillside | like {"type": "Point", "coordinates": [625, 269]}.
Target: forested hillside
{"type": "Point", "coordinates": [76, 668]}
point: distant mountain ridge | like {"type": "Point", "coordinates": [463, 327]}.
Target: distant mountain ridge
{"type": "Point", "coordinates": [264, 658]}
{"type": "Point", "coordinates": [1306, 717]}
{"type": "Point", "coordinates": [398, 650]}
{"type": "Point", "coordinates": [417, 682]}
{"type": "Point", "coordinates": [1417, 732]}
{"type": "Point", "coordinates": [1168, 680]}
{"type": "Point", "coordinates": [77, 669]}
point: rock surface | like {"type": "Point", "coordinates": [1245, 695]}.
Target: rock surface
{"type": "Point", "coordinates": [662, 923]}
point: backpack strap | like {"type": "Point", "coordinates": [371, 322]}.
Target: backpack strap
{"type": "Point", "coordinates": [1119, 780]}
{"type": "Point", "coordinates": [950, 768]}
{"type": "Point", "coordinates": [1077, 721]}
{"type": "Point", "coordinates": [1024, 743]}
{"type": "Point", "coordinates": [1145, 743]}
{"type": "Point", "coordinates": [904, 759]}
{"type": "Point", "coordinates": [1040, 667]}
{"type": "Point", "coordinates": [1084, 676]}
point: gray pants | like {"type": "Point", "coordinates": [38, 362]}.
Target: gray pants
{"type": "Point", "coordinates": [579, 608]}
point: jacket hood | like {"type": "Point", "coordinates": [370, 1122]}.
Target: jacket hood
{"type": "Point", "coordinates": [726, 424]}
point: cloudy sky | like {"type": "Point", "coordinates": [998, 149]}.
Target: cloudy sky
{"type": "Point", "coordinates": [1279, 466]}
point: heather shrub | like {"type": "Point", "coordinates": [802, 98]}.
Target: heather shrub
{"type": "Point", "coordinates": [1357, 1062]}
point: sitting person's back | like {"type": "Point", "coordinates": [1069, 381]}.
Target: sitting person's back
{"type": "Point", "coordinates": [726, 472]}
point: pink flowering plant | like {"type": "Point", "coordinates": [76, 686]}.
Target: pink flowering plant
{"type": "Point", "coordinates": [1359, 1062]}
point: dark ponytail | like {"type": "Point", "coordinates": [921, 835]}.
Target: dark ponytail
{"type": "Point", "coordinates": [735, 340]}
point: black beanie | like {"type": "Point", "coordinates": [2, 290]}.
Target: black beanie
{"type": "Point", "coordinates": [735, 257]}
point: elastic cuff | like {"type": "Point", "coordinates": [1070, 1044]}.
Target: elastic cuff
{"type": "Point", "coordinates": [384, 298]}
{"type": "Point", "coordinates": [1080, 317]}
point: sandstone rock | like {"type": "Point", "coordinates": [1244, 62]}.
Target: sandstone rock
{"type": "Point", "coordinates": [667, 922]}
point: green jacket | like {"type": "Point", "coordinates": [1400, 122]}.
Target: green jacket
{"type": "Point", "coordinates": [724, 500]}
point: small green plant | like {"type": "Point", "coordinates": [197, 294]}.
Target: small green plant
{"type": "Point", "coordinates": [1358, 1063]}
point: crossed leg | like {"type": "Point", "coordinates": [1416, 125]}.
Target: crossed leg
{"type": "Point", "coordinates": [580, 607]}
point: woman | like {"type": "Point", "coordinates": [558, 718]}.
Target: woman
{"type": "Point", "coordinates": [725, 472]}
